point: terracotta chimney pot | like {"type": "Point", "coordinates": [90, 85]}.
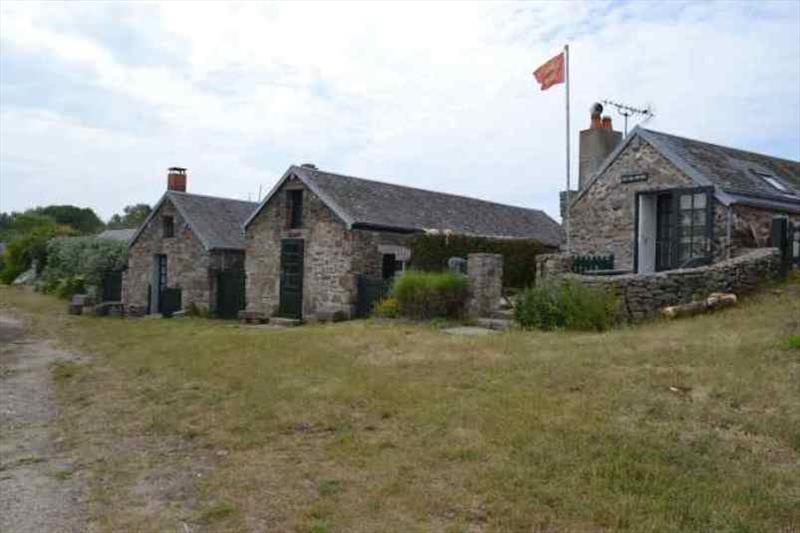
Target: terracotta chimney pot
{"type": "Point", "coordinates": [176, 179]}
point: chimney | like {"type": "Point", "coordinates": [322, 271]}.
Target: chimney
{"type": "Point", "coordinates": [596, 143]}
{"type": "Point", "coordinates": [309, 165]}
{"type": "Point", "coordinates": [176, 179]}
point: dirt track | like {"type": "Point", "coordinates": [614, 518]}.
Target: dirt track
{"type": "Point", "coordinates": [39, 489]}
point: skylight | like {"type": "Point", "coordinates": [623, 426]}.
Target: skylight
{"type": "Point", "coordinates": [772, 180]}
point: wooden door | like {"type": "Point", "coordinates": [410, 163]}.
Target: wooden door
{"type": "Point", "coordinates": [291, 291]}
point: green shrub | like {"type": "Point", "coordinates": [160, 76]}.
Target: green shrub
{"type": "Point", "coordinates": [793, 342]}
{"type": "Point", "coordinates": [21, 253]}
{"type": "Point", "coordinates": [425, 295]}
{"type": "Point", "coordinates": [431, 252]}
{"type": "Point", "coordinates": [566, 305]}
{"type": "Point", "coordinates": [70, 286]}
{"type": "Point", "coordinates": [388, 308]}
{"type": "Point", "coordinates": [88, 258]}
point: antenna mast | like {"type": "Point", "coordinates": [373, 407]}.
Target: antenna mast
{"type": "Point", "coordinates": [627, 111]}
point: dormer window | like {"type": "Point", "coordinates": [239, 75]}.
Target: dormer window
{"type": "Point", "coordinates": [295, 204]}
{"type": "Point", "coordinates": [771, 180]}
{"type": "Point", "coordinates": [168, 225]}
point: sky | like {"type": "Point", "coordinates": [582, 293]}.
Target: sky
{"type": "Point", "coordinates": [98, 99]}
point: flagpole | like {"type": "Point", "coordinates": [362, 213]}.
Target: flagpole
{"type": "Point", "coordinates": [566, 211]}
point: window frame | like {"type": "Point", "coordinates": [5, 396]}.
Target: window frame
{"type": "Point", "coordinates": [294, 205]}
{"type": "Point", "coordinates": [678, 230]}
{"type": "Point", "coordinates": [167, 226]}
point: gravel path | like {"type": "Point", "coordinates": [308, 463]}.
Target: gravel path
{"type": "Point", "coordinates": [38, 489]}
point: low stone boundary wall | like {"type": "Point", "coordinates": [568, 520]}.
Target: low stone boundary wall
{"type": "Point", "coordinates": [644, 295]}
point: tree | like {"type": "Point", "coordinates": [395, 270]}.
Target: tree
{"type": "Point", "coordinates": [133, 217]}
{"type": "Point", "coordinates": [84, 220]}
{"type": "Point", "coordinates": [18, 225]}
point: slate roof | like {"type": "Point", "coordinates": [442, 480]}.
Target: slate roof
{"type": "Point", "coordinates": [124, 234]}
{"type": "Point", "coordinates": [217, 222]}
{"type": "Point", "coordinates": [733, 173]}
{"type": "Point", "coordinates": [733, 170]}
{"type": "Point", "coordinates": [363, 203]}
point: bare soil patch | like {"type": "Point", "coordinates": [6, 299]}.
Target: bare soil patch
{"type": "Point", "coordinates": [40, 489]}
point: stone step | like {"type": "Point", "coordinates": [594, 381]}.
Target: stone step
{"type": "Point", "coordinates": [494, 323]}
{"type": "Point", "coordinates": [505, 314]}
{"type": "Point", "coordinates": [285, 322]}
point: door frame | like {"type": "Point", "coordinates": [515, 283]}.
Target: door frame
{"type": "Point", "coordinates": [676, 193]}
{"type": "Point", "coordinates": [155, 283]}
{"type": "Point", "coordinates": [301, 253]}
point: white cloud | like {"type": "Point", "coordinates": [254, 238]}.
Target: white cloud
{"type": "Point", "coordinates": [438, 95]}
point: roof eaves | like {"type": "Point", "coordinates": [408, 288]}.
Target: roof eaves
{"type": "Point", "coordinates": [607, 162]}
{"type": "Point", "coordinates": [189, 220]}
{"type": "Point", "coordinates": [767, 203]}
{"type": "Point", "coordinates": [300, 173]}
{"type": "Point", "coordinates": [267, 198]}
{"type": "Point", "coordinates": [330, 202]}
{"type": "Point", "coordinates": [685, 167]}
{"type": "Point", "coordinates": [147, 220]}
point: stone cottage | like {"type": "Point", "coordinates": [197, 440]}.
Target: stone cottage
{"type": "Point", "coordinates": [192, 243]}
{"type": "Point", "coordinates": [317, 233]}
{"type": "Point", "coordinates": [660, 202]}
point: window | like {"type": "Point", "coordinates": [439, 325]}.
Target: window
{"type": "Point", "coordinates": [693, 227]}
{"type": "Point", "coordinates": [169, 227]}
{"type": "Point", "coordinates": [771, 180]}
{"type": "Point", "coordinates": [391, 267]}
{"type": "Point", "coordinates": [295, 201]}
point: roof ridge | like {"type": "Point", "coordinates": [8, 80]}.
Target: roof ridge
{"type": "Point", "coordinates": [181, 193]}
{"type": "Point", "coordinates": [656, 132]}
{"type": "Point", "coordinates": [429, 191]}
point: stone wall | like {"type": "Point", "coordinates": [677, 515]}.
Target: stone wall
{"type": "Point", "coordinates": [333, 256]}
{"type": "Point", "coordinates": [485, 274]}
{"type": "Point", "coordinates": [187, 262]}
{"type": "Point", "coordinates": [751, 226]}
{"type": "Point", "coordinates": [644, 295]}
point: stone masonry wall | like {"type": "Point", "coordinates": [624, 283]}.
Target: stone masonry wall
{"type": "Point", "coordinates": [644, 295]}
{"type": "Point", "coordinates": [485, 273]}
{"type": "Point", "coordinates": [603, 219]}
{"type": "Point", "coordinates": [327, 284]}
{"type": "Point", "coordinates": [187, 262]}
{"type": "Point", "coordinates": [333, 256]}
{"type": "Point", "coordinates": [751, 226]}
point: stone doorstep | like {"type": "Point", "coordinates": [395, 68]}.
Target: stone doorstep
{"type": "Point", "coordinates": [497, 324]}
{"type": "Point", "coordinates": [285, 322]}
{"type": "Point", "coordinates": [252, 317]}
{"type": "Point", "coordinates": [469, 331]}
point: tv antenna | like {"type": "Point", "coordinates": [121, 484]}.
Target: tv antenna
{"type": "Point", "coordinates": [627, 111]}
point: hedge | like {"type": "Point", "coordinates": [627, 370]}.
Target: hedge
{"type": "Point", "coordinates": [566, 305]}
{"type": "Point", "coordinates": [78, 262]}
{"type": "Point", "coordinates": [431, 252]}
{"type": "Point", "coordinates": [425, 295]}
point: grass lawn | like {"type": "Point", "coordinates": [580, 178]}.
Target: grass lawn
{"type": "Point", "coordinates": [691, 425]}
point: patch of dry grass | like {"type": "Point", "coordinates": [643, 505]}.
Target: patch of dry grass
{"type": "Point", "coordinates": [690, 425]}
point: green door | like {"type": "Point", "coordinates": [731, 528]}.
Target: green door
{"type": "Point", "coordinates": [291, 296]}
{"type": "Point", "coordinates": [230, 293]}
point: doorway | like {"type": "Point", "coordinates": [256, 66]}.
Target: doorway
{"type": "Point", "coordinates": [291, 288]}
{"type": "Point", "coordinates": [158, 283]}
{"type": "Point", "coordinates": [673, 230]}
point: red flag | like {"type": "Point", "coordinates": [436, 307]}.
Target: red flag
{"type": "Point", "coordinates": [551, 73]}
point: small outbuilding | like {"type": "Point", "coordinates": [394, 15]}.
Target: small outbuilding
{"type": "Point", "coordinates": [319, 237]}
{"type": "Point", "coordinates": [189, 253]}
